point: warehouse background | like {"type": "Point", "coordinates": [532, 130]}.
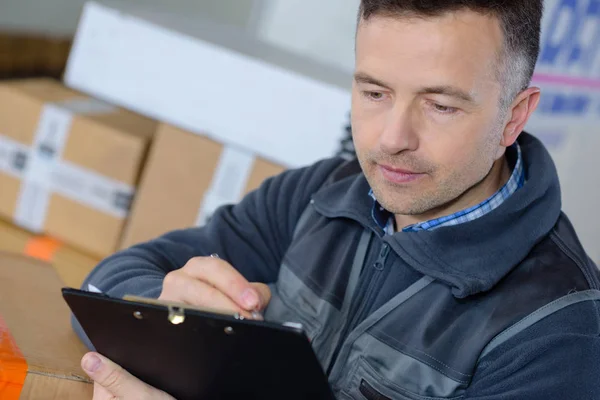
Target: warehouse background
{"type": "Point", "coordinates": [309, 45]}
{"type": "Point", "coordinates": [117, 124]}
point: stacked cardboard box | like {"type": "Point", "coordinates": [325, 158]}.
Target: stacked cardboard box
{"type": "Point", "coordinates": [39, 353]}
{"type": "Point", "coordinates": [69, 167]}
{"type": "Point", "coordinates": [185, 178]}
{"type": "Point", "coordinates": [71, 265]}
{"type": "Point", "coordinates": [211, 80]}
{"type": "Point", "coordinates": [274, 109]}
{"type": "Point", "coordinates": [68, 163]}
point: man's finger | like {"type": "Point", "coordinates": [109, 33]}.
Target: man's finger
{"type": "Point", "coordinates": [184, 289]}
{"type": "Point", "coordinates": [116, 381]}
{"type": "Point", "coordinates": [225, 278]}
{"type": "Point", "coordinates": [264, 293]}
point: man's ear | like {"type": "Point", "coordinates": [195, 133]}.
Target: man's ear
{"type": "Point", "coordinates": [518, 114]}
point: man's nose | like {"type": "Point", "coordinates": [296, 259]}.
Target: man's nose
{"type": "Point", "coordinates": [399, 133]}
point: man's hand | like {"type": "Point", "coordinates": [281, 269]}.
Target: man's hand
{"type": "Point", "coordinates": [213, 283]}
{"type": "Point", "coordinates": [111, 382]}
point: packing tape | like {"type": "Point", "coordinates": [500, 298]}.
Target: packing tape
{"type": "Point", "coordinates": [13, 366]}
{"type": "Point", "coordinates": [48, 145]}
{"type": "Point", "coordinates": [43, 248]}
{"type": "Point", "coordinates": [43, 172]}
{"type": "Point", "coordinates": [88, 187]}
{"type": "Point", "coordinates": [228, 182]}
{"type": "Point", "coordinates": [13, 156]}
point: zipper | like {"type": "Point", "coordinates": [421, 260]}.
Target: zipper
{"type": "Point", "coordinates": [361, 299]}
{"type": "Point", "coordinates": [370, 392]}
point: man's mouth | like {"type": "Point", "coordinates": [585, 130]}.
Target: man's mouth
{"type": "Point", "coordinates": [399, 175]}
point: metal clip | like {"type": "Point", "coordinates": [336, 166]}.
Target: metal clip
{"type": "Point", "coordinates": [176, 315]}
{"type": "Point", "coordinates": [238, 316]}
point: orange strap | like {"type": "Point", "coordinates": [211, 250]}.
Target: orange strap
{"type": "Point", "coordinates": [13, 367]}
{"type": "Point", "coordinates": [42, 247]}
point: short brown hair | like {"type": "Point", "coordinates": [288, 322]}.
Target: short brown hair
{"type": "Point", "coordinates": [520, 20]}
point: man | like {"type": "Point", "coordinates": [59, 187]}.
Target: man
{"type": "Point", "coordinates": [443, 267]}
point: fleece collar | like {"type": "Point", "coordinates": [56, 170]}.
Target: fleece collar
{"type": "Point", "coordinates": [474, 256]}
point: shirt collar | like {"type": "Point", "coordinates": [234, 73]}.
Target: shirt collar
{"type": "Point", "coordinates": [385, 219]}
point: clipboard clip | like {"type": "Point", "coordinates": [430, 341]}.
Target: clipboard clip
{"type": "Point", "coordinates": [176, 315]}
{"type": "Point", "coordinates": [176, 311]}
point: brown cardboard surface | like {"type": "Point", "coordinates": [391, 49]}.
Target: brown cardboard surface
{"type": "Point", "coordinates": [125, 120]}
{"type": "Point", "coordinates": [83, 226]}
{"type": "Point", "coordinates": [71, 265]}
{"type": "Point", "coordinates": [50, 388]}
{"type": "Point", "coordinates": [261, 170]}
{"type": "Point", "coordinates": [113, 145]}
{"type": "Point", "coordinates": [39, 323]}
{"type": "Point", "coordinates": [106, 150]}
{"type": "Point", "coordinates": [178, 171]}
{"type": "Point", "coordinates": [12, 239]}
{"type": "Point", "coordinates": [18, 114]}
{"type": "Point", "coordinates": [46, 90]}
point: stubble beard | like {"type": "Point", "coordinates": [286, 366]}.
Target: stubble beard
{"type": "Point", "coordinates": [446, 190]}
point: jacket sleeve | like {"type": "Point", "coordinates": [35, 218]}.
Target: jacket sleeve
{"type": "Point", "coordinates": [556, 358]}
{"type": "Point", "coordinates": [252, 236]}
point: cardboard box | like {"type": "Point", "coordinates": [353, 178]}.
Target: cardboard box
{"type": "Point", "coordinates": [68, 163]}
{"type": "Point", "coordinates": [39, 352]}
{"type": "Point", "coordinates": [211, 80]}
{"type": "Point", "coordinates": [186, 177]}
{"type": "Point", "coordinates": [71, 265]}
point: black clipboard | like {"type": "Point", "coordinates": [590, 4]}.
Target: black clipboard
{"type": "Point", "coordinates": [195, 354]}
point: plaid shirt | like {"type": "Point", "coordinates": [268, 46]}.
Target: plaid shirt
{"type": "Point", "coordinates": [515, 182]}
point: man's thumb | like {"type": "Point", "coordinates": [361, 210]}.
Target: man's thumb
{"type": "Point", "coordinates": [107, 374]}
{"type": "Point", "coordinates": [118, 382]}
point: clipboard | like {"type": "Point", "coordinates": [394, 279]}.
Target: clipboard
{"type": "Point", "coordinates": [195, 353]}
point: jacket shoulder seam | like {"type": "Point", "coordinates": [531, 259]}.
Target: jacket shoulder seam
{"type": "Point", "coordinates": [573, 257]}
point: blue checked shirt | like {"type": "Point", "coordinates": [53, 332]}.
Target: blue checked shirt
{"type": "Point", "coordinates": [515, 182]}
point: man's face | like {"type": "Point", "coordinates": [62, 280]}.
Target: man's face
{"type": "Point", "coordinates": [425, 116]}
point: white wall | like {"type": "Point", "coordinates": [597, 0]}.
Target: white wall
{"type": "Point", "coordinates": [321, 29]}
{"type": "Point", "coordinates": [60, 17]}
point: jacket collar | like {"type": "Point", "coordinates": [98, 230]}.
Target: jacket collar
{"type": "Point", "coordinates": [474, 256]}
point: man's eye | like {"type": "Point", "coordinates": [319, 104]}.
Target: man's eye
{"type": "Point", "coordinates": [375, 96]}
{"type": "Point", "coordinates": [443, 109]}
